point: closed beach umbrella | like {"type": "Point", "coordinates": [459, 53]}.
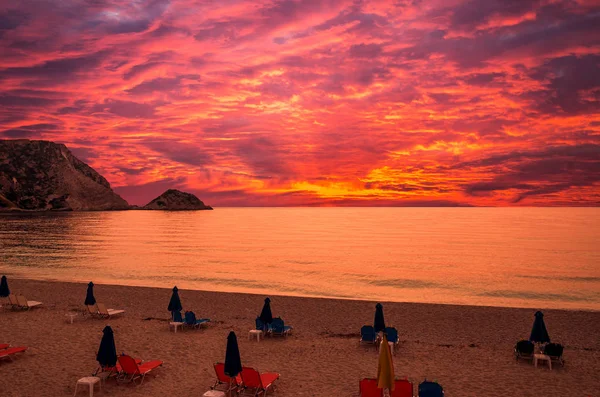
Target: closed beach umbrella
{"type": "Point", "coordinates": [538, 332]}
{"type": "Point", "coordinates": [379, 321]}
{"type": "Point", "coordinates": [89, 298]}
{"type": "Point", "coordinates": [233, 362]}
{"type": "Point", "coordinates": [385, 369]}
{"type": "Point", "coordinates": [265, 315]}
{"type": "Point", "coordinates": [175, 303]}
{"type": "Point", "coordinates": [4, 291]}
{"type": "Point", "coordinates": [107, 354]}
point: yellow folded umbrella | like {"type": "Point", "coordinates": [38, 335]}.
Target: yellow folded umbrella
{"type": "Point", "coordinates": [385, 369]}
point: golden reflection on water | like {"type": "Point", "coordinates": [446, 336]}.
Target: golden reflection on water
{"type": "Point", "coordinates": [525, 257]}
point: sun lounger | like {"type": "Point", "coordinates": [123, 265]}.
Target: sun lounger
{"type": "Point", "coordinates": [106, 313]}
{"type": "Point", "coordinates": [258, 382]}
{"type": "Point", "coordinates": [278, 328]}
{"type": "Point", "coordinates": [555, 352]}
{"type": "Point", "coordinates": [524, 350]}
{"type": "Point", "coordinates": [23, 303]}
{"type": "Point", "coordinates": [367, 334]}
{"type": "Point", "coordinates": [430, 389]}
{"type": "Point", "coordinates": [92, 310]}
{"type": "Point", "coordinates": [116, 370]}
{"type": "Point", "coordinates": [224, 382]}
{"type": "Point", "coordinates": [131, 371]}
{"type": "Point", "coordinates": [266, 328]}
{"type": "Point", "coordinates": [392, 335]}
{"type": "Point", "coordinates": [4, 346]}
{"type": "Point", "coordinates": [402, 388]}
{"type": "Point", "coordinates": [12, 301]}
{"type": "Point", "coordinates": [191, 321]}
{"type": "Point", "coordinates": [11, 351]}
{"type": "Point", "coordinates": [368, 388]}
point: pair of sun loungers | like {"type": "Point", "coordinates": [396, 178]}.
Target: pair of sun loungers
{"type": "Point", "coordinates": [21, 303]}
{"type": "Point", "coordinates": [276, 328]}
{"type": "Point", "coordinates": [129, 369]}
{"type": "Point", "coordinates": [99, 310]}
{"type": "Point", "coordinates": [525, 350]}
{"type": "Point", "coordinates": [402, 388]}
{"type": "Point", "coordinates": [8, 352]}
{"type": "Point", "coordinates": [249, 380]}
{"type": "Point", "coordinates": [189, 320]}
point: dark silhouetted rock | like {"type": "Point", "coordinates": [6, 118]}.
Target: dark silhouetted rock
{"type": "Point", "coordinates": [174, 200]}
{"type": "Point", "coordinates": [42, 175]}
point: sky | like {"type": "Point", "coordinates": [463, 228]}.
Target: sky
{"type": "Point", "coordinates": [316, 102]}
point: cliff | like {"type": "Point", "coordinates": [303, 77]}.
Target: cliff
{"type": "Point", "coordinates": [42, 175]}
{"type": "Point", "coordinates": [175, 200]}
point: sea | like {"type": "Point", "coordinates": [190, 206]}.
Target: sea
{"type": "Point", "coordinates": [513, 257]}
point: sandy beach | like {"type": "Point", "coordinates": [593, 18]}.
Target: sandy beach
{"type": "Point", "coordinates": [467, 349]}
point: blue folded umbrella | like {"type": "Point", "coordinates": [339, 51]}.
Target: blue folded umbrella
{"type": "Point", "coordinates": [538, 332]}
{"type": "Point", "coordinates": [4, 291]}
{"type": "Point", "coordinates": [379, 324]}
{"type": "Point", "coordinates": [233, 362]}
{"type": "Point", "coordinates": [107, 353]}
{"type": "Point", "coordinates": [175, 302]}
{"type": "Point", "coordinates": [89, 297]}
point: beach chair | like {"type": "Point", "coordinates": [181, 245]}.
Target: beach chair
{"type": "Point", "coordinates": [92, 310]}
{"type": "Point", "coordinates": [524, 350]}
{"type": "Point", "coordinates": [368, 388]}
{"type": "Point", "coordinates": [266, 328]}
{"type": "Point", "coordinates": [402, 388]}
{"type": "Point", "coordinates": [10, 352]}
{"type": "Point", "coordinates": [392, 337]}
{"type": "Point", "coordinates": [131, 371]}
{"type": "Point", "coordinates": [278, 327]}
{"type": "Point", "coordinates": [367, 334]}
{"type": "Point", "coordinates": [107, 313]}
{"type": "Point", "coordinates": [257, 382]}
{"type": "Point", "coordinates": [4, 346]}
{"type": "Point", "coordinates": [229, 384]}
{"type": "Point", "coordinates": [555, 352]}
{"type": "Point", "coordinates": [12, 301]}
{"type": "Point", "coordinates": [430, 389]}
{"type": "Point", "coordinates": [114, 371]}
{"type": "Point", "coordinates": [191, 321]}
{"type": "Point", "coordinates": [25, 304]}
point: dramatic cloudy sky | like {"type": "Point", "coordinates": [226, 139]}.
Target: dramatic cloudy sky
{"type": "Point", "coordinates": [403, 102]}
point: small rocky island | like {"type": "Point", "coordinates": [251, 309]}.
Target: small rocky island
{"type": "Point", "coordinates": [175, 200]}
{"type": "Point", "coordinates": [46, 176]}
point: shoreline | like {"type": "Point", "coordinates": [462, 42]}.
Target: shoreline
{"type": "Point", "coordinates": [467, 349]}
{"type": "Point", "coordinates": [351, 299]}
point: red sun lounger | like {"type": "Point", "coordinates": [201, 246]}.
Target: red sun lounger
{"type": "Point", "coordinates": [224, 380]}
{"type": "Point", "coordinates": [402, 388]}
{"type": "Point", "coordinates": [133, 371]}
{"type": "Point", "coordinates": [259, 382]}
{"type": "Point", "coordinates": [368, 388]}
{"type": "Point", "coordinates": [11, 351]}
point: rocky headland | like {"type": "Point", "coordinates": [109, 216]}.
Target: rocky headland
{"type": "Point", "coordinates": [40, 175]}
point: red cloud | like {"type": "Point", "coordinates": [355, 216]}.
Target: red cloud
{"type": "Point", "coordinates": [290, 102]}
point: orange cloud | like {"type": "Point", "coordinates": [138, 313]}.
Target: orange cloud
{"type": "Point", "coordinates": [289, 102]}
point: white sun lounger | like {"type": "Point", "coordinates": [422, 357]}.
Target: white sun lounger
{"type": "Point", "coordinates": [103, 311]}
{"type": "Point", "coordinates": [25, 304]}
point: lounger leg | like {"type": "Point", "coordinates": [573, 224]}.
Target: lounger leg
{"type": "Point", "coordinates": [74, 394]}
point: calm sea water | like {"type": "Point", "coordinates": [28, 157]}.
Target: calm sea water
{"type": "Point", "coordinates": [523, 257]}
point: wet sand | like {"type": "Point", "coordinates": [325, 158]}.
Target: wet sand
{"type": "Point", "coordinates": [467, 349]}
